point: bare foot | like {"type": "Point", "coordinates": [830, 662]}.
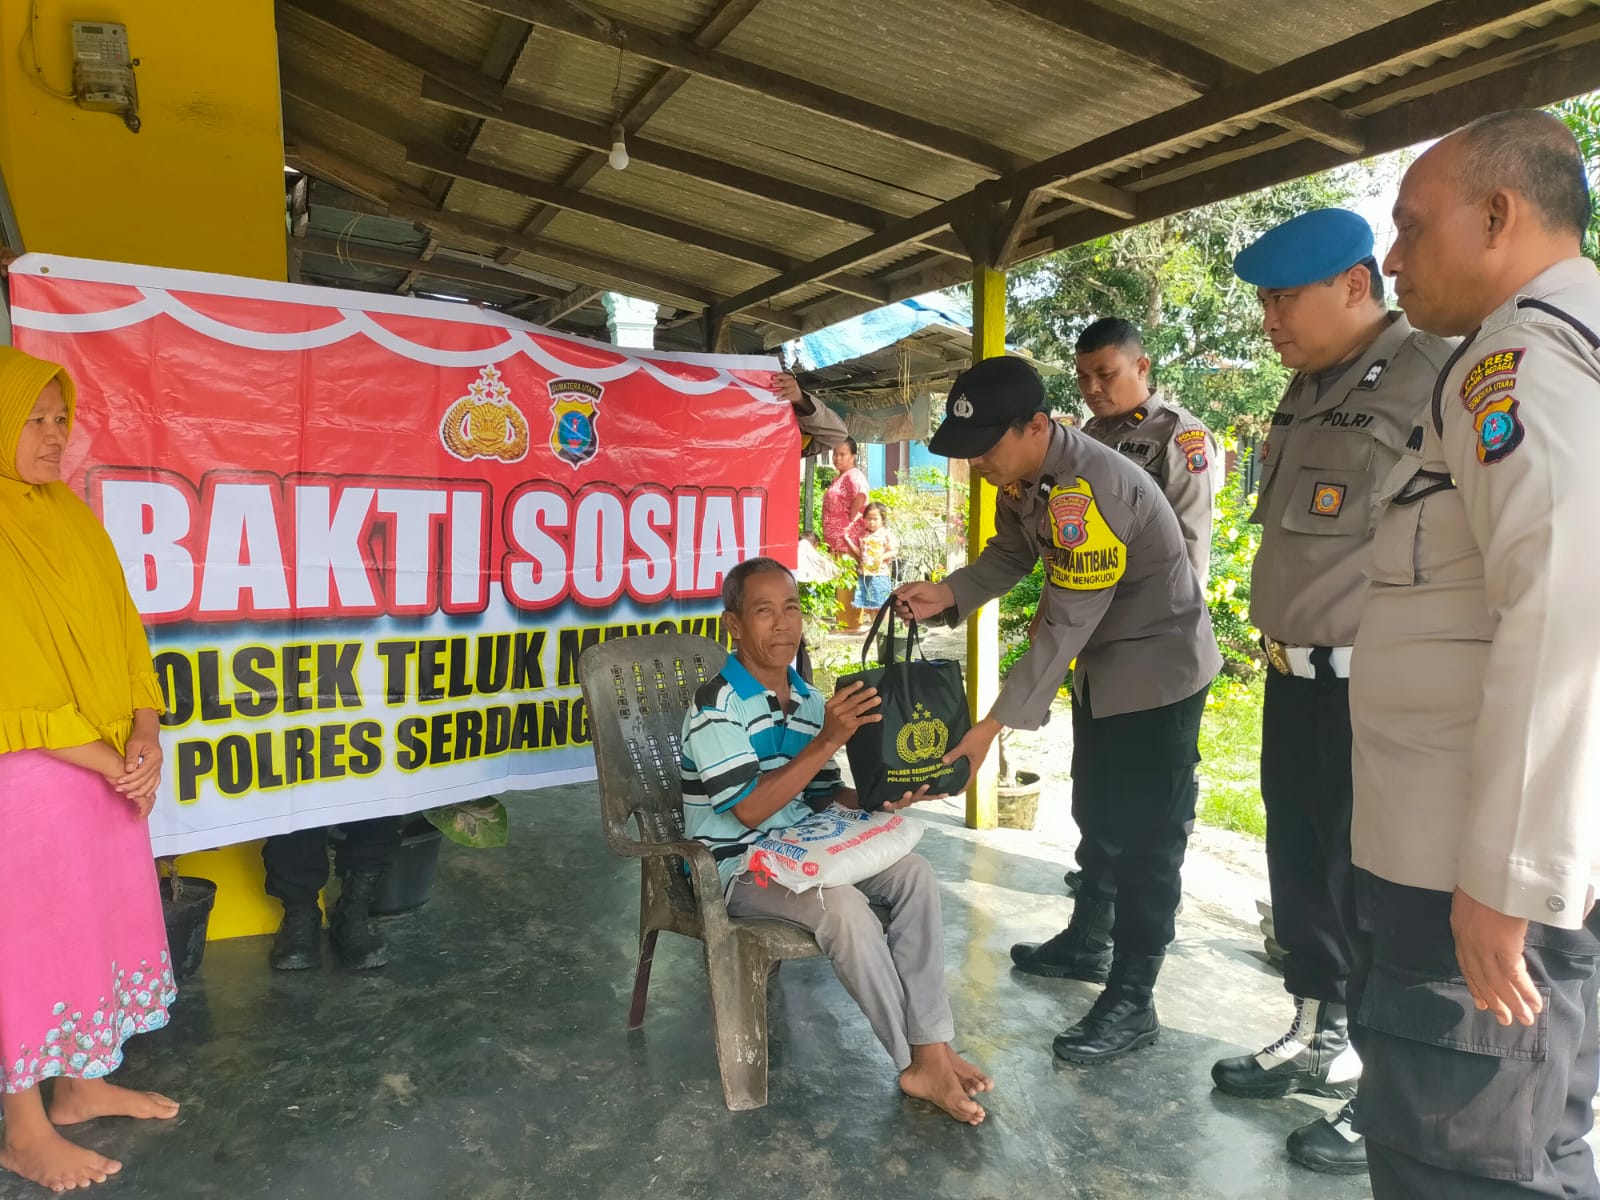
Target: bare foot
{"type": "Point", "coordinates": [51, 1161]}
{"type": "Point", "coordinates": [79, 1100]}
{"type": "Point", "coordinates": [972, 1079]}
{"type": "Point", "coordinates": [938, 1084]}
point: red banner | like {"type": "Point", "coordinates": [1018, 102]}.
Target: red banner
{"type": "Point", "coordinates": [370, 535]}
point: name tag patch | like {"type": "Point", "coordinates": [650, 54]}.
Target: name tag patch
{"type": "Point", "coordinates": [1084, 554]}
{"type": "Point", "coordinates": [1327, 499]}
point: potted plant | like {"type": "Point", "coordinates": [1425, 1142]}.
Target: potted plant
{"type": "Point", "coordinates": [186, 902]}
{"type": "Point", "coordinates": [1018, 791]}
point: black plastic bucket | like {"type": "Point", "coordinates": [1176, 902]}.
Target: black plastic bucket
{"type": "Point", "coordinates": [187, 919]}
{"type": "Point", "coordinates": [409, 881]}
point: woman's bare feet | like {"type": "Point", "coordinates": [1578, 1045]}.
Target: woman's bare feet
{"type": "Point", "coordinates": [79, 1100]}
{"type": "Point", "coordinates": [972, 1079]}
{"type": "Point", "coordinates": [932, 1077]}
{"type": "Point", "coordinates": [33, 1149]}
{"type": "Point", "coordinates": [53, 1162]}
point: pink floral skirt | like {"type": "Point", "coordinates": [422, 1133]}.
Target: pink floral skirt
{"type": "Point", "coordinates": [83, 948]}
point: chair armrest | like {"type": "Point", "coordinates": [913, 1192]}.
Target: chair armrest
{"type": "Point", "coordinates": [702, 871]}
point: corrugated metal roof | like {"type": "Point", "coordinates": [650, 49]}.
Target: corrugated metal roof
{"type": "Point", "coordinates": [969, 89]}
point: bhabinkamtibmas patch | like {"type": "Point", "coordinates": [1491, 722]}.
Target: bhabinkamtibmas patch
{"type": "Point", "coordinates": [1085, 554]}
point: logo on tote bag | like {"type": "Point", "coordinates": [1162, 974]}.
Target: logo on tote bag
{"type": "Point", "coordinates": [923, 737]}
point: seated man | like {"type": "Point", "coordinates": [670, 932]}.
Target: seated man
{"type": "Point", "coordinates": [758, 749]}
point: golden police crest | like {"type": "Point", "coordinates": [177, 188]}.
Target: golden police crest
{"type": "Point", "coordinates": [923, 737]}
{"type": "Point", "coordinates": [574, 405]}
{"type": "Point", "coordinates": [485, 423]}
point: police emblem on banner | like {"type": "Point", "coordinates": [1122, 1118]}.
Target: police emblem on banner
{"type": "Point", "coordinates": [573, 405]}
{"type": "Point", "coordinates": [485, 423]}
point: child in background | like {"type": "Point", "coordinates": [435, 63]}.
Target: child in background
{"type": "Point", "coordinates": [878, 550]}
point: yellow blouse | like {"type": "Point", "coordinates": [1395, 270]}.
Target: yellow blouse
{"type": "Point", "coordinates": [74, 660]}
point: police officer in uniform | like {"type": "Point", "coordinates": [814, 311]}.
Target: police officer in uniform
{"type": "Point", "coordinates": [1343, 439]}
{"type": "Point", "coordinates": [1121, 599]}
{"type": "Point", "coordinates": [1164, 438]}
{"type": "Point", "coordinates": [1475, 694]}
{"type": "Point", "coordinates": [821, 429]}
{"type": "Point", "coordinates": [1180, 453]}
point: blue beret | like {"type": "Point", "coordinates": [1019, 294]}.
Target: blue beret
{"type": "Point", "coordinates": [1308, 249]}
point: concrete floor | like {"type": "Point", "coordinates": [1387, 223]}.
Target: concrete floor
{"type": "Point", "coordinates": [489, 1060]}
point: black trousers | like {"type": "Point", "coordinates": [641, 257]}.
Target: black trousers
{"type": "Point", "coordinates": [1305, 784]}
{"type": "Point", "coordinates": [1133, 796]}
{"type": "Point", "coordinates": [297, 863]}
{"type": "Point", "coordinates": [1455, 1106]}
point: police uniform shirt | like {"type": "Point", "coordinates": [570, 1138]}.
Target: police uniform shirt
{"type": "Point", "coordinates": [1329, 464]}
{"type": "Point", "coordinates": [1119, 594]}
{"type": "Point", "coordinates": [1475, 686]}
{"type": "Point", "coordinates": [1181, 455]}
{"type": "Point", "coordinates": [821, 429]}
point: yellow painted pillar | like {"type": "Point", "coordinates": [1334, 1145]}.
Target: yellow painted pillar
{"type": "Point", "coordinates": [199, 187]}
{"type": "Point", "coordinates": [983, 626]}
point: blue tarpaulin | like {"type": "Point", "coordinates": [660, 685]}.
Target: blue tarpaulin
{"type": "Point", "coordinates": [877, 330]}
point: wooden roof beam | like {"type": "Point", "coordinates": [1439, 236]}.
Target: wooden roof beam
{"type": "Point", "coordinates": [447, 162]}
{"type": "Point", "coordinates": [407, 203]}
{"type": "Point", "coordinates": [1440, 25]}
{"type": "Point", "coordinates": [1102, 197]}
{"type": "Point", "coordinates": [554, 309]}
{"type": "Point", "coordinates": [350, 20]}
{"type": "Point", "coordinates": [723, 19]}
{"type": "Point", "coordinates": [685, 55]}
{"type": "Point", "coordinates": [1177, 187]}
{"type": "Point", "coordinates": [1152, 49]}
{"type": "Point", "coordinates": [455, 270]}
{"type": "Point", "coordinates": [597, 137]}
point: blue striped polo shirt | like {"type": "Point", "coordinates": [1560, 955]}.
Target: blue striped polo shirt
{"type": "Point", "coordinates": [735, 732]}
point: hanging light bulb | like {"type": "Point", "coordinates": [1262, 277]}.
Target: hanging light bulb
{"type": "Point", "coordinates": [618, 158]}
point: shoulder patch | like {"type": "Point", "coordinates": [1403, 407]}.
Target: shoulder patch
{"type": "Point", "coordinates": [1192, 444]}
{"type": "Point", "coordinates": [1084, 554]}
{"type": "Point", "coordinates": [1499, 429]}
{"type": "Point", "coordinates": [1492, 373]}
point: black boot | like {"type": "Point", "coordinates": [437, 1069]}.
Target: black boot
{"type": "Point", "coordinates": [1123, 1017]}
{"type": "Point", "coordinates": [299, 941]}
{"type": "Point", "coordinates": [360, 945]}
{"type": "Point", "coordinates": [1080, 951]}
{"type": "Point", "coordinates": [1314, 1057]}
{"type": "Point", "coordinates": [1330, 1145]}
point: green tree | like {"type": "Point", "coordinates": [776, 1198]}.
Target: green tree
{"type": "Point", "coordinates": [1582, 115]}
{"type": "Point", "coordinates": [1174, 278]}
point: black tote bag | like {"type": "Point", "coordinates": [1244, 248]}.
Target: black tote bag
{"type": "Point", "coordinates": [924, 707]}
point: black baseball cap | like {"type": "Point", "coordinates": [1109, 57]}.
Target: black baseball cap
{"type": "Point", "coordinates": [984, 400]}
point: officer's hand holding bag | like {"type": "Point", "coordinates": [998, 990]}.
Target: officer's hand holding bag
{"type": "Point", "coordinates": [899, 759]}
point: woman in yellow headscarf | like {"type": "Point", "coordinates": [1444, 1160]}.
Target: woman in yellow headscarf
{"type": "Point", "coordinates": [83, 949]}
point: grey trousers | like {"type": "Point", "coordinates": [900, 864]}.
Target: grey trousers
{"type": "Point", "coordinates": [897, 980]}
{"type": "Point", "coordinates": [1454, 1105]}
